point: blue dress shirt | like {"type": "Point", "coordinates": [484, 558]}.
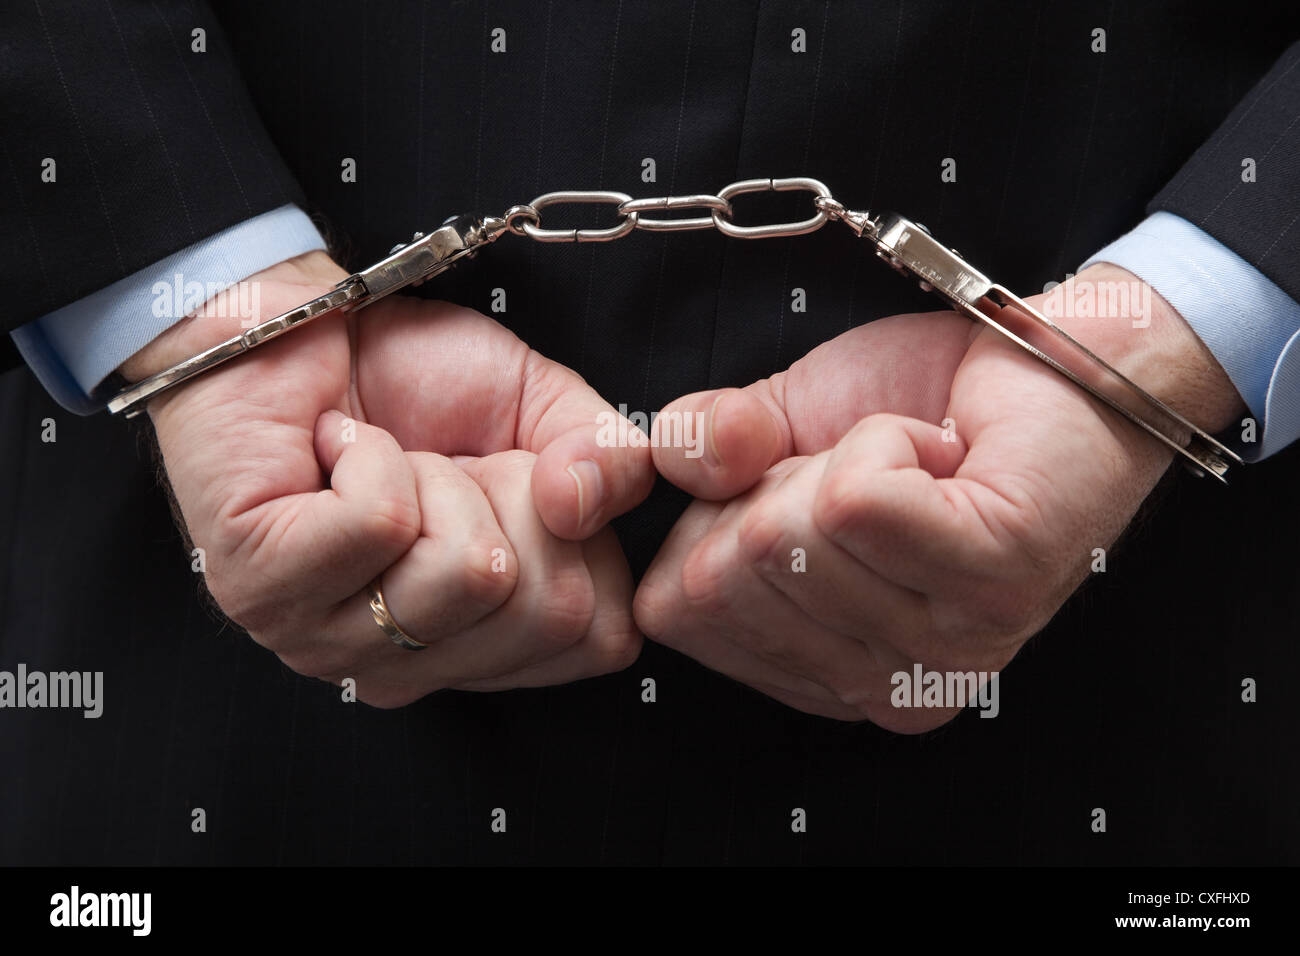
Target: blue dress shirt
{"type": "Point", "coordinates": [1250, 325]}
{"type": "Point", "coordinates": [73, 349]}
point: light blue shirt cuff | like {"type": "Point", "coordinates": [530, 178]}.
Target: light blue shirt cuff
{"type": "Point", "coordinates": [1249, 324]}
{"type": "Point", "coordinates": [72, 350]}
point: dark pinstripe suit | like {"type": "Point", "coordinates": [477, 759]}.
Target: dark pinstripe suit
{"type": "Point", "coordinates": [1129, 700]}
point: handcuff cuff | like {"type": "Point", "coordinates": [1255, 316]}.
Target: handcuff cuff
{"type": "Point", "coordinates": [902, 243]}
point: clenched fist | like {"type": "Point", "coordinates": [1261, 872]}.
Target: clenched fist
{"type": "Point", "coordinates": [420, 445]}
{"type": "Point", "coordinates": [917, 490]}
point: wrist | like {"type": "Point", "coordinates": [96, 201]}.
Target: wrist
{"type": "Point", "coordinates": [262, 296]}
{"type": "Point", "coordinates": [1128, 324]}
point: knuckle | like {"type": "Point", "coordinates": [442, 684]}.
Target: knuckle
{"type": "Point", "coordinates": [566, 610]}
{"type": "Point", "coordinates": [487, 573]}
{"type": "Point", "coordinates": [503, 472]}
{"type": "Point", "coordinates": [616, 649]}
{"type": "Point", "coordinates": [392, 521]}
{"type": "Point", "coordinates": [841, 503]}
{"type": "Point", "coordinates": [705, 574]}
{"type": "Point", "coordinates": [761, 535]}
{"type": "Point", "coordinates": [652, 605]}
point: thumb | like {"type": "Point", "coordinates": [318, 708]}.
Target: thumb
{"type": "Point", "coordinates": [586, 472]}
{"type": "Point", "coordinates": [718, 443]}
{"type": "Point", "coordinates": [902, 364]}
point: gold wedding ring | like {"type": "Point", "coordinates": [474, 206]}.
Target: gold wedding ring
{"type": "Point", "coordinates": [384, 618]}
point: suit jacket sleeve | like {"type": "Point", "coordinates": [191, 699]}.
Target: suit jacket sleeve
{"type": "Point", "coordinates": [1222, 245]}
{"type": "Point", "coordinates": [1243, 185]}
{"type": "Point", "coordinates": [135, 139]}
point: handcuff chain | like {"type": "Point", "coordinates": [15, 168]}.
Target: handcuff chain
{"type": "Point", "coordinates": [525, 220]}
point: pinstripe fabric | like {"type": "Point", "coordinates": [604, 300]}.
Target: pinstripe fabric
{"type": "Point", "coordinates": [1253, 218]}
{"type": "Point", "coordinates": [152, 145]}
{"type": "Point", "coordinates": [1129, 700]}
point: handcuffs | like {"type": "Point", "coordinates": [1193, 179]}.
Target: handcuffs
{"type": "Point", "coordinates": [904, 244]}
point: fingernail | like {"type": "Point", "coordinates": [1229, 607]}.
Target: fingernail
{"type": "Point", "coordinates": [586, 475]}
{"type": "Point", "coordinates": [713, 456]}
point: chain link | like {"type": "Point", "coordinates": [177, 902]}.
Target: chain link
{"type": "Point", "coordinates": [627, 221]}
{"type": "Point", "coordinates": [526, 220]}
{"type": "Point", "coordinates": [702, 201]}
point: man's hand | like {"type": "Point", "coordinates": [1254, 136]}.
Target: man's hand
{"type": "Point", "coordinates": [916, 490]}
{"type": "Point", "coordinates": [420, 444]}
